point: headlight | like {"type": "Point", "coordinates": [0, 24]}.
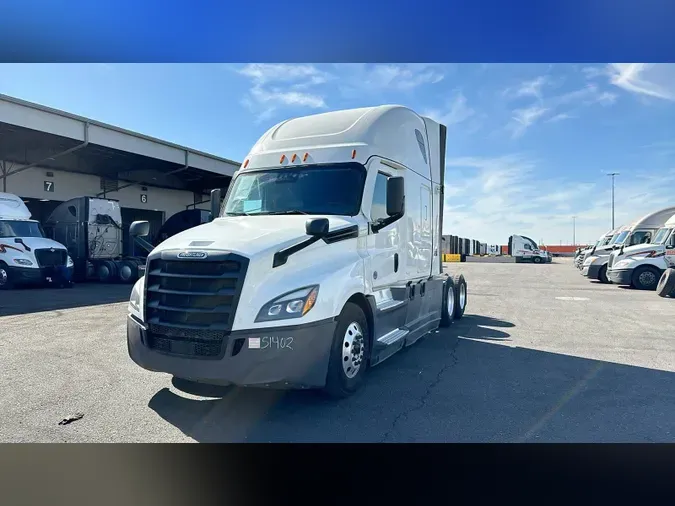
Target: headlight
{"type": "Point", "coordinates": [135, 306]}
{"type": "Point", "coordinates": [69, 262]}
{"type": "Point", "coordinates": [23, 261]}
{"type": "Point", "coordinates": [589, 260]}
{"type": "Point", "coordinates": [291, 305]}
{"type": "Point", "coordinates": [620, 264]}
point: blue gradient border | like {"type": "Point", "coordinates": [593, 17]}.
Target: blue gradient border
{"type": "Point", "coordinates": [344, 31]}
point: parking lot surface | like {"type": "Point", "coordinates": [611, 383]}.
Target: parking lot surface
{"type": "Point", "coordinates": [542, 355]}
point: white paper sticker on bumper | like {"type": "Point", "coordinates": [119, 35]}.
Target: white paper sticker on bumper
{"type": "Point", "coordinates": [254, 342]}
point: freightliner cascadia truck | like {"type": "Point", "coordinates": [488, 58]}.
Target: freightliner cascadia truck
{"type": "Point", "coordinates": [324, 259]}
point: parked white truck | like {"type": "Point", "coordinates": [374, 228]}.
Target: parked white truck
{"type": "Point", "coordinates": [524, 249]}
{"type": "Point", "coordinates": [642, 265]}
{"type": "Point", "coordinates": [27, 257]}
{"type": "Point", "coordinates": [603, 242]}
{"type": "Point", "coordinates": [639, 232]}
{"type": "Point", "coordinates": [324, 260]}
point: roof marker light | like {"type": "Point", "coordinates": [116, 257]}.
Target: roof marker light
{"type": "Point", "coordinates": [304, 158]}
{"type": "Point", "coordinates": [353, 154]}
{"type": "Point", "coordinates": [246, 164]}
{"type": "Point", "coordinates": [293, 157]}
{"type": "Point", "coordinates": [283, 157]}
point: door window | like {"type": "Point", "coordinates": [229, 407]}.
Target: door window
{"type": "Point", "coordinates": [378, 210]}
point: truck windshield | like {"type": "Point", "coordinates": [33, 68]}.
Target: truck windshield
{"type": "Point", "coordinates": [17, 228]}
{"type": "Point", "coordinates": [621, 237]}
{"type": "Point", "coordinates": [323, 189]}
{"type": "Point", "coordinates": [661, 236]}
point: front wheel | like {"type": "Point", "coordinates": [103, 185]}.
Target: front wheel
{"type": "Point", "coordinates": [602, 275]}
{"type": "Point", "coordinates": [646, 277]}
{"type": "Point", "coordinates": [536, 260]}
{"type": "Point", "coordinates": [5, 279]}
{"type": "Point", "coordinates": [349, 353]}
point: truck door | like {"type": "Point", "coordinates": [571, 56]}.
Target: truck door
{"type": "Point", "coordinates": [670, 250]}
{"type": "Point", "coordinates": [384, 246]}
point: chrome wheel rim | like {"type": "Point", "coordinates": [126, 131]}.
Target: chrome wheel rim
{"type": "Point", "coordinates": [352, 350]}
{"type": "Point", "coordinates": [462, 295]}
{"type": "Point", "coordinates": [451, 302]}
{"type": "Point", "coordinates": [647, 278]}
{"type": "Point", "coordinates": [3, 277]}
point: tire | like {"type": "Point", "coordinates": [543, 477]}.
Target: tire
{"type": "Point", "coordinates": [646, 277]}
{"type": "Point", "coordinates": [536, 260]}
{"type": "Point", "coordinates": [448, 308]}
{"type": "Point", "coordinates": [5, 279]}
{"type": "Point", "coordinates": [107, 271]}
{"type": "Point", "coordinates": [352, 323]}
{"type": "Point", "coordinates": [461, 295]}
{"type": "Point", "coordinates": [128, 271]}
{"type": "Point", "coordinates": [602, 275]}
{"type": "Point", "coordinates": [666, 286]}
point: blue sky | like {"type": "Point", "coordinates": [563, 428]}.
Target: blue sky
{"type": "Point", "coordinates": [529, 145]}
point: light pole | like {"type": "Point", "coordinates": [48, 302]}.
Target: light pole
{"type": "Point", "coordinates": [574, 230]}
{"type": "Point", "coordinates": [613, 174]}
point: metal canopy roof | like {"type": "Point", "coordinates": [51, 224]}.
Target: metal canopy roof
{"type": "Point", "coordinates": [32, 135]}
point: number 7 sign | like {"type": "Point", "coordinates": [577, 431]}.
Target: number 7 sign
{"type": "Point", "coordinates": [49, 186]}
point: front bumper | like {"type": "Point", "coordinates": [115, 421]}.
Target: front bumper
{"type": "Point", "coordinates": [620, 276]}
{"type": "Point", "coordinates": [40, 275]}
{"type": "Point", "coordinates": [287, 357]}
{"type": "Point", "coordinates": [591, 271]}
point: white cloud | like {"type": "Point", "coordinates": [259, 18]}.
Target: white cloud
{"type": "Point", "coordinates": [524, 118]}
{"type": "Point", "coordinates": [653, 80]}
{"type": "Point", "coordinates": [489, 199]}
{"type": "Point", "coordinates": [276, 86]}
{"type": "Point", "coordinates": [560, 117]}
{"type": "Point", "coordinates": [457, 111]}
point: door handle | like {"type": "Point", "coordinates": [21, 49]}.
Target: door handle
{"type": "Point", "coordinates": [395, 262]}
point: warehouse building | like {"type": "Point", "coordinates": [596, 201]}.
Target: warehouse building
{"type": "Point", "coordinates": [48, 156]}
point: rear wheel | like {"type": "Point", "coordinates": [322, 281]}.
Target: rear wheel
{"type": "Point", "coordinates": [666, 285]}
{"type": "Point", "coordinates": [448, 309]}
{"type": "Point", "coordinates": [602, 275]}
{"type": "Point", "coordinates": [107, 271]}
{"type": "Point", "coordinates": [349, 353]}
{"type": "Point", "coordinates": [128, 271]}
{"type": "Point", "coordinates": [5, 279]}
{"type": "Point", "coordinates": [646, 277]}
{"type": "Point", "coordinates": [461, 294]}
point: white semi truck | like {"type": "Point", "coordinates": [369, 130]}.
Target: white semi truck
{"type": "Point", "coordinates": [524, 249]}
{"type": "Point", "coordinates": [605, 242]}
{"type": "Point", "coordinates": [325, 259]}
{"type": "Point", "coordinates": [642, 265]}
{"type": "Point", "coordinates": [639, 232]}
{"type": "Point", "coordinates": [27, 257]}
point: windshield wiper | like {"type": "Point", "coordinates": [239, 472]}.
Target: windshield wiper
{"type": "Point", "coordinates": [237, 214]}
{"type": "Point", "coordinates": [290, 211]}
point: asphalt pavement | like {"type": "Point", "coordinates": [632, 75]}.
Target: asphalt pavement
{"type": "Point", "coordinates": [542, 355]}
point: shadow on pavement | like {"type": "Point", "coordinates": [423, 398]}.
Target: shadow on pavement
{"type": "Point", "coordinates": [36, 299]}
{"type": "Point", "coordinates": [459, 384]}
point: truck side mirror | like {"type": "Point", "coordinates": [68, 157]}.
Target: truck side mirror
{"type": "Point", "coordinates": [317, 227]}
{"type": "Point", "coordinates": [395, 196]}
{"type": "Point", "coordinates": [215, 203]}
{"type": "Point", "coordinates": [139, 229]}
